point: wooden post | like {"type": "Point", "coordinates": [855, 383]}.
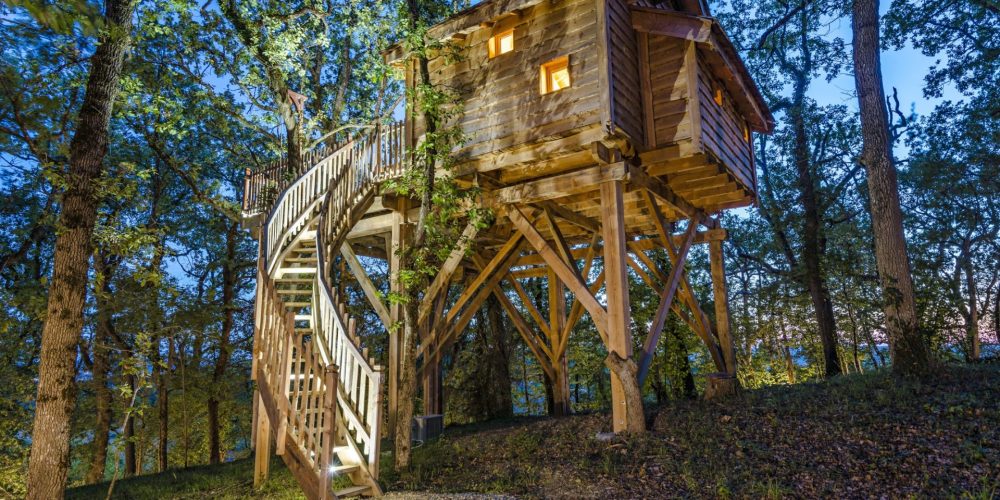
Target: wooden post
{"type": "Point", "coordinates": [329, 430]}
{"type": "Point", "coordinates": [718, 265]}
{"type": "Point", "coordinates": [400, 234]}
{"type": "Point", "coordinates": [262, 451]}
{"type": "Point", "coordinates": [560, 365]}
{"type": "Point", "coordinates": [619, 310]}
{"type": "Point", "coordinates": [432, 386]}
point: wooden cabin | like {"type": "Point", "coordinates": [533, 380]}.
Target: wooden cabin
{"type": "Point", "coordinates": [541, 82]}
{"type": "Point", "coordinates": [592, 127]}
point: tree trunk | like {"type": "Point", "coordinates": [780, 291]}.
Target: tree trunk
{"type": "Point", "coordinates": [501, 404]}
{"type": "Point", "coordinates": [407, 382]}
{"type": "Point", "coordinates": [812, 247]}
{"type": "Point", "coordinates": [49, 461]}
{"type": "Point", "coordinates": [102, 393]}
{"type": "Point", "coordinates": [131, 459]}
{"type": "Point", "coordinates": [163, 411]}
{"type": "Point", "coordinates": [229, 278]}
{"type": "Point", "coordinates": [972, 319]}
{"type": "Point", "coordinates": [408, 369]}
{"type": "Point", "coordinates": [627, 371]}
{"type": "Point", "coordinates": [910, 354]}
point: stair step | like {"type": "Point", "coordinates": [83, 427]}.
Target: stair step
{"type": "Point", "coordinates": [283, 281]}
{"type": "Point", "coordinates": [289, 291]}
{"type": "Point", "coordinates": [294, 270]}
{"type": "Point", "coordinates": [303, 317]}
{"type": "Point", "coordinates": [309, 260]}
{"type": "Point", "coordinates": [289, 303]}
{"type": "Point", "coordinates": [353, 491]}
{"type": "Point", "coordinates": [344, 469]}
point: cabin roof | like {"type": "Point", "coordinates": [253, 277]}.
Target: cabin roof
{"type": "Point", "coordinates": [691, 21]}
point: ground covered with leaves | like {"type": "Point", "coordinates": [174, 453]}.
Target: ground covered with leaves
{"type": "Point", "coordinates": [859, 436]}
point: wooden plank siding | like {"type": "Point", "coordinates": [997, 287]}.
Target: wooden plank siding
{"type": "Point", "coordinates": [669, 88]}
{"type": "Point", "coordinates": [723, 128]}
{"type": "Point", "coordinates": [502, 105]}
{"type": "Point", "coordinates": [626, 89]}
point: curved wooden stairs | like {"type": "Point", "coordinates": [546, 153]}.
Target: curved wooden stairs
{"type": "Point", "coordinates": [319, 394]}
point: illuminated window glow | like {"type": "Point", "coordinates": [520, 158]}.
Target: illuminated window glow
{"type": "Point", "coordinates": [718, 96]}
{"type": "Point", "coordinates": [501, 43]}
{"type": "Point", "coordinates": [554, 75]}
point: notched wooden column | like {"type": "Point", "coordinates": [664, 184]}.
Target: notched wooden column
{"type": "Point", "coordinates": [626, 397]}
{"type": "Point", "coordinates": [724, 383]}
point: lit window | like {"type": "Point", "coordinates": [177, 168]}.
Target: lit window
{"type": "Point", "coordinates": [554, 75]}
{"type": "Point", "coordinates": [501, 43]}
{"type": "Point", "coordinates": [718, 96]}
{"type": "Point", "coordinates": [746, 133]}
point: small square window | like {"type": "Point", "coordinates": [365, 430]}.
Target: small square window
{"type": "Point", "coordinates": [501, 43]}
{"type": "Point", "coordinates": [554, 75]}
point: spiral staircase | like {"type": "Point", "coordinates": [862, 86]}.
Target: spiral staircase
{"type": "Point", "coordinates": [320, 393]}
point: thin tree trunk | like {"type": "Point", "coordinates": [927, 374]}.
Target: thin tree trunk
{"type": "Point", "coordinates": [502, 404]}
{"type": "Point", "coordinates": [408, 375]}
{"type": "Point", "coordinates": [102, 392]}
{"type": "Point", "coordinates": [131, 459]}
{"type": "Point", "coordinates": [49, 461]}
{"type": "Point", "coordinates": [524, 381]}
{"type": "Point", "coordinates": [910, 353]}
{"type": "Point", "coordinates": [229, 278]}
{"type": "Point", "coordinates": [815, 278]}
{"type": "Point", "coordinates": [972, 319]}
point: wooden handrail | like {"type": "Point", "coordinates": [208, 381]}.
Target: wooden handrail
{"type": "Point", "coordinates": [294, 371]}
{"type": "Point", "coordinates": [345, 173]}
{"type": "Point", "coordinates": [297, 384]}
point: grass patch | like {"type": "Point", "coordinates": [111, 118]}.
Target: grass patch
{"type": "Point", "coordinates": [871, 435]}
{"type": "Point", "coordinates": [230, 480]}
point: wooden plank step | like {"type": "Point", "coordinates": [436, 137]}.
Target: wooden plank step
{"type": "Point", "coordinates": [303, 317]}
{"type": "Point", "coordinates": [287, 291]}
{"type": "Point", "coordinates": [289, 281]}
{"type": "Point", "coordinates": [303, 260]}
{"type": "Point", "coordinates": [353, 491]}
{"type": "Point", "coordinates": [344, 469]}
{"type": "Point", "coordinates": [295, 270]}
{"type": "Point", "coordinates": [289, 303]}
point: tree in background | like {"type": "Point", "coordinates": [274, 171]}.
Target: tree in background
{"type": "Point", "coordinates": [910, 355]}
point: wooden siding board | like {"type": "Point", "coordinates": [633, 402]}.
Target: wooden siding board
{"type": "Point", "coordinates": [501, 101]}
{"type": "Point", "coordinates": [626, 89]}
{"type": "Point", "coordinates": [722, 129]}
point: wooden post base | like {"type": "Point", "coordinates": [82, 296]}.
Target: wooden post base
{"type": "Point", "coordinates": [721, 385]}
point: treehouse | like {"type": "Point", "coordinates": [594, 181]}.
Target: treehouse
{"type": "Point", "coordinates": [599, 131]}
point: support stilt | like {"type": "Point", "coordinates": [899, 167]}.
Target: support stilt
{"type": "Point", "coordinates": [400, 233]}
{"type": "Point", "coordinates": [619, 336]}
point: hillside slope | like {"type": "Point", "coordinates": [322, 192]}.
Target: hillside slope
{"type": "Point", "coordinates": [857, 436]}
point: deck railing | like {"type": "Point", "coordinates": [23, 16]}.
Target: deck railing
{"type": "Point", "coordinates": [371, 160]}
{"type": "Point", "coordinates": [262, 187]}
{"type": "Point", "coordinates": [356, 165]}
{"type": "Point", "coordinates": [298, 383]}
{"type": "Point", "coordinates": [360, 395]}
{"type": "Point", "coordinates": [291, 367]}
